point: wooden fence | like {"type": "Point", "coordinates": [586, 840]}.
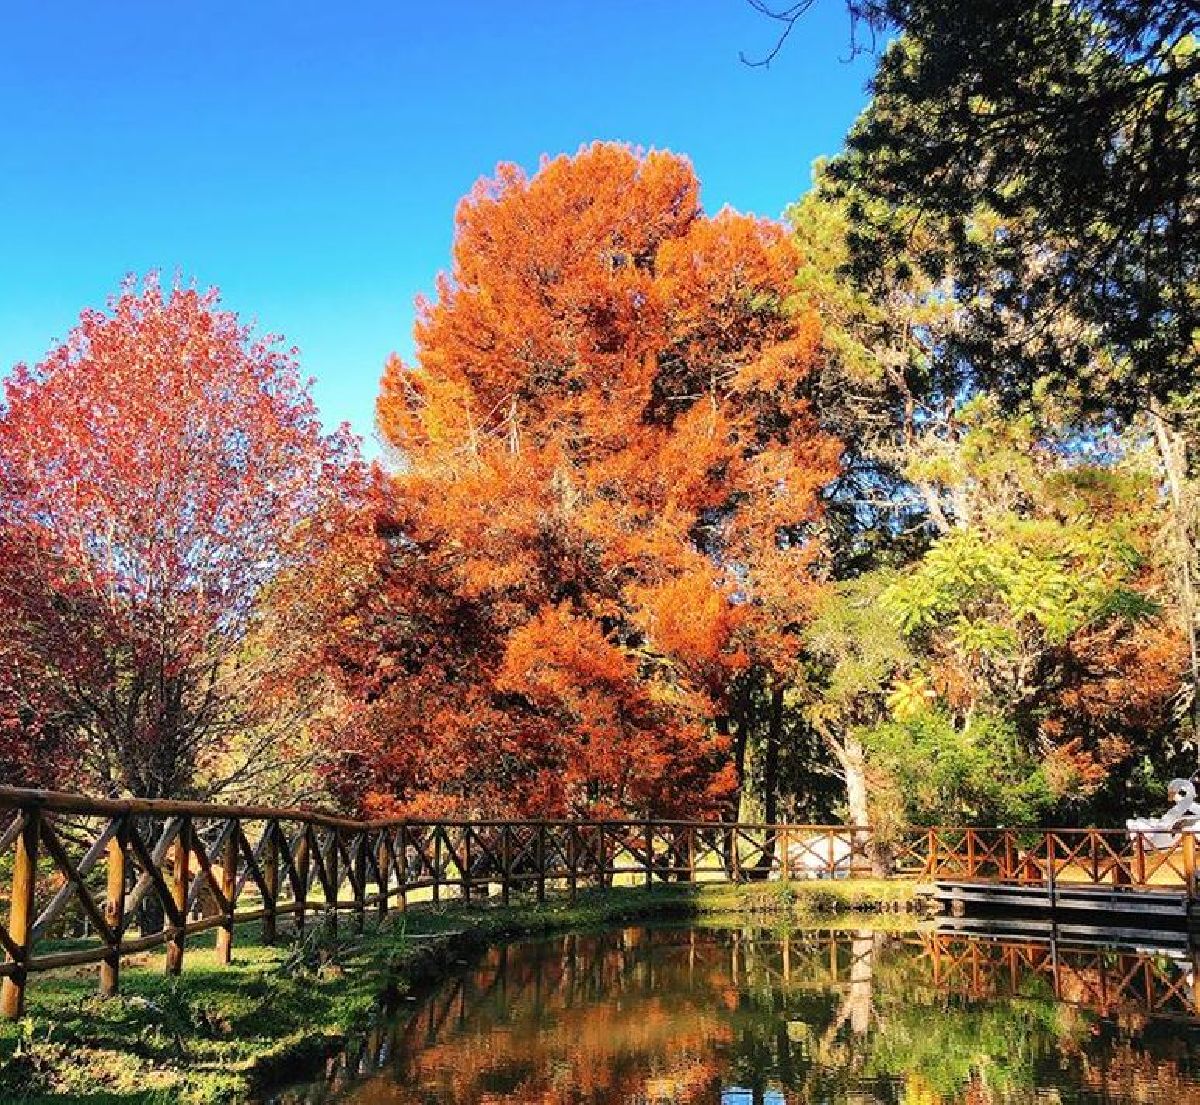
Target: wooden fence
{"type": "Point", "coordinates": [92, 881]}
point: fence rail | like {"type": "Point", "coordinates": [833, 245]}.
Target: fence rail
{"type": "Point", "coordinates": [92, 881]}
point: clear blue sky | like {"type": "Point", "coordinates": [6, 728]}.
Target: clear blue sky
{"type": "Point", "coordinates": [307, 157]}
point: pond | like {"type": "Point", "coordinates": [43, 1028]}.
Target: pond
{"type": "Point", "coordinates": [658, 1015]}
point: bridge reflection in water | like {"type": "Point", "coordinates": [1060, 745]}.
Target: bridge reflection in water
{"type": "Point", "coordinates": [750, 1017]}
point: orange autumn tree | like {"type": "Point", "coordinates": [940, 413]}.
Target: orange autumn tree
{"type": "Point", "coordinates": [606, 475]}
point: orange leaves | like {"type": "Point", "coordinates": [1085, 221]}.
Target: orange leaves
{"type": "Point", "coordinates": [552, 282]}
{"type": "Point", "coordinates": [607, 446]}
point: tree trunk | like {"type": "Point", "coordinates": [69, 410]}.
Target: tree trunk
{"type": "Point", "coordinates": [1172, 450]}
{"type": "Point", "coordinates": [771, 757]}
{"type": "Point", "coordinates": [853, 760]}
{"type": "Point", "coordinates": [770, 778]}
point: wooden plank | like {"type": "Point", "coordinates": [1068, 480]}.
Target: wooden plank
{"type": "Point", "coordinates": [1063, 904]}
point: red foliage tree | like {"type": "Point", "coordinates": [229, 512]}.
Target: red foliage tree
{"type": "Point", "coordinates": [606, 476]}
{"type": "Point", "coordinates": [157, 470]}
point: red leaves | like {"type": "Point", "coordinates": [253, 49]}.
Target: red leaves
{"type": "Point", "coordinates": [157, 470]}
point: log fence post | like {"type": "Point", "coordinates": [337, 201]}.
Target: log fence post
{"type": "Point", "coordinates": [179, 896]}
{"type": "Point", "coordinates": [229, 892]}
{"type": "Point", "coordinates": [333, 871]}
{"type": "Point", "coordinates": [540, 860]}
{"type": "Point", "coordinates": [303, 861]}
{"type": "Point", "coordinates": [1051, 872]}
{"type": "Point", "coordinates": [1189, 862]}
{"type": "Point", "coordinates": [572, 860]}
{"type": "Point", "coordinates": [383, 869]}
{"type": "Point", "coordinates": [402, 865]}
{"type": "Point", "coordinates": [464, 860]}
{"type": "Point", "coordinates": [270, 871]}
{"type": "Point", "coordinates": [505, 862]}
{"type": "Point", "coordinates": [649, 844]}
{"type": "Point", "coordinates": [437, 864]}
{"type": "Point", "coordinates": [358, 881]}
{"type": "Point", "coordinates": [114, 908]}
{"type": "Point", "coordinates": [21, 913]}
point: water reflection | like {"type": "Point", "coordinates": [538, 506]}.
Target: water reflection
{"type": "Point", "coordinates": [748, 1017]}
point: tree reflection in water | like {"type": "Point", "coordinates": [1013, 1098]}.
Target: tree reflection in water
{"type": "Point", "coordinates": [752, 1017]}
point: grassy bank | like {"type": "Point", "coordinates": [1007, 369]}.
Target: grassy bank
{"type": "Point", "coordinates": [218, 1033]}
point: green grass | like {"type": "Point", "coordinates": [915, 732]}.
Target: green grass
{"type": "Point", "coordinates": [219, 1033]}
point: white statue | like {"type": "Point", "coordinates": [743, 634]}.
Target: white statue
{"type": "Point", "coordinates": [1183, 816]}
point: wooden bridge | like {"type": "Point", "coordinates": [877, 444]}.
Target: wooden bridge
{"type": "Point", "coordinates": [80, 874]}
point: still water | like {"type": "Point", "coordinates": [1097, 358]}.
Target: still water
{"type": "Point", "coordinates": [748, 1017]}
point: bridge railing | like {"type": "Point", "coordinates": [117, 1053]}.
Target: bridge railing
{"type": "Point", "coordinates": [93, 881]}
{"type": "Point", "coordinates": [1097, 857]}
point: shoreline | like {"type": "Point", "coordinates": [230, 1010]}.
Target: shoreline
{"type": "Point", "coordinates": [231, 1034]}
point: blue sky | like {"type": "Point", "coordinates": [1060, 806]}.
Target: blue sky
{"type": "Point", "coordinates": [307, 157]}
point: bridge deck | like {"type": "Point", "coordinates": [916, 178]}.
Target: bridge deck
{"type": "Point", "coordinates": [1084, 909]}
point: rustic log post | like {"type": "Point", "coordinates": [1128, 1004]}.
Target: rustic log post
{"type": "Point", "coordinates": [402, 865]}
{"type": "Point", "coordinates": [1189, 862]}
{"type": "Point", "coordinates": [179, 896]}
{"type": "Point", "coordinates": [1009, 855]}
{"type": "Point", "coordinates": [1050, 867]}
{"type": "Point", "coordinates": [465, 860]}
{"type": "Point", "coordinates": [437, 864]}
{"type": "Point", "coordinates": [229, 889]}
{"type": "Point", "coordinates": [358, 881]}
{"type": "Point", "coordinates": [970, 853]}
{"type": "Point", "coordinates": [333, 870]}
{"type": "Point", "coordinates": [691, 853]}
{"type": "Point", "coordinates": [785, 863]}
{"type": "Point", "coordinates": [303, 861]}
{"type": "Point", "coordinates": [270, 870]}
{"type": "Point", "coordinates": [384, 870]}
{"type": "Point", "coordinates": [932, 859]}
{"type": "Point", "coordinates": [1139, 861]}
{"type": "Point", "coordinates": [21, 913]}
{"type": "Point", "coordinates": [505, 862]}
{"type": "Point", "coordinates": [114, 909]}
{"type": "Point", "coordinates": [649, 853]}
{"type": "Point", "coordinates": [540, 859]}
{"type": "Point", "coordinates": [572, 860]}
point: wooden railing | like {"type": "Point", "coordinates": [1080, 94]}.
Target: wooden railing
{"type": "Point", "coordinates": [1098, 857]}
{"type": "Point", "coordinates": [92, 881]}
